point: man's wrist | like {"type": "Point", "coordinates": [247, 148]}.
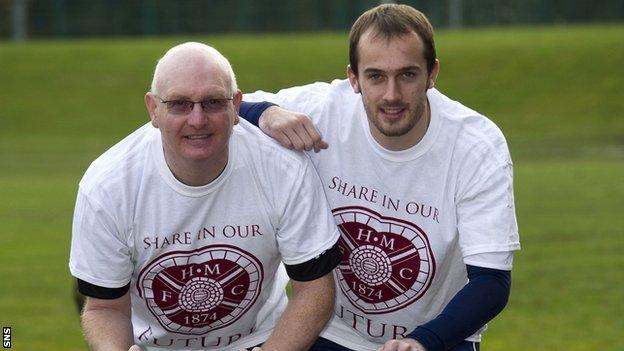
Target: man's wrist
{"type": "Point", "coordinates": [427, 339]}
{"type": "Point", "coordinates": [266, 112]}
{"type": "Point", "coordinates": [251, 111]}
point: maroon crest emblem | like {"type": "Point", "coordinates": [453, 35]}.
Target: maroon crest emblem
{"type": "Point", "coordinates": [194, 292]}
{"type": "Point", "coordinates": [386, 263]}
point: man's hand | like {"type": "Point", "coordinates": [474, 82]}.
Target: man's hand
{"type": "Point", "coordinates": [135, 348]}
{"type": "Point", "coordinates": [291, 129]}
{"type": "Point", "coordinates": [402, 345]}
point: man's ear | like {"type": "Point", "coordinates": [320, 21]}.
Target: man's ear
{"type": "Point", "coordinates": [237, 99]}
{"type": "Point", "coordinates": [151, 104]}
{"type": "Point", "coordinates": [353, 79]}
{"type": "Point", "coordinates": [433, 76]}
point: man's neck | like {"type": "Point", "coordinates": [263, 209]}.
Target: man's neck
{"type": "Point", "coordinates": [197, 173]}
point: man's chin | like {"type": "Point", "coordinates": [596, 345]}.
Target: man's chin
{"type": "Point", "coordinates": [396, 129]}
{"type": "Point", "coordinates": [198, 156]}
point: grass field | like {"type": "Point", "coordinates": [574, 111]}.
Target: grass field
{"type": "Point", "coordinates": [557, 93]}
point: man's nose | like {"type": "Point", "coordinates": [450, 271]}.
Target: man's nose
{"type": "Point", "coordinates": [393, 91]}
{"type": "Point", "coordinates": [197, 117]}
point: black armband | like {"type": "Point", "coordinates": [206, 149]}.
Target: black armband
{"type": "Point", "coordinates": [316, 267]}
{"type": "Point", "coordinates": [101, 292]}
{"type": "Point", "coordinates": [251, 111]}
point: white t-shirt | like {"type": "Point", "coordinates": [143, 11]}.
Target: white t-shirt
{"type": "Point", "coordinates": [410, 220]}
{"type": "Point", "coordinates": [204, 262]}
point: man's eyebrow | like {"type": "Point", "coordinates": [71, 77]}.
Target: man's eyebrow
{"type": "Point", "coordinates": [184, 96]}
{"type": "Point", "coordinates": [175, 96]}
{"type": "Point", "coordinates": [402, 69]}
{"type": "Point", "coordinates": [410, 68]}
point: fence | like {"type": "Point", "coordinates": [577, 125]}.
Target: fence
{"type": "Point", "coordinates": [21, 19]}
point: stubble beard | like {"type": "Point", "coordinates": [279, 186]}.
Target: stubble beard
{"type": "Point", "coordinates": [394, 128]}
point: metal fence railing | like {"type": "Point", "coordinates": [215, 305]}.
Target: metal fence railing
{"type": "Point", "coordinates": [20, 19]}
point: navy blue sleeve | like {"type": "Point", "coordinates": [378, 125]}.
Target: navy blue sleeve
{"type": "Point", "coordinates": [251, 111]}
{"type": "Point", "coordinates": [484, 297]}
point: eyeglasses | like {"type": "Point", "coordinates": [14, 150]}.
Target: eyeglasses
{"type": "Point", "coordinates": [184, 107]}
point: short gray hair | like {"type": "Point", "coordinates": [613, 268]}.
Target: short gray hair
{"type": "Point", "coordinates": [211, 54]}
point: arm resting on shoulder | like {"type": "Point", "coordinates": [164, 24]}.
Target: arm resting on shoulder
{"type": "Point", "coordinates": [291, 129]}
{"type": "Point", "coordinates": [107, 323]}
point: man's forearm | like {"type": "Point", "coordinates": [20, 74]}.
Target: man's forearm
{"type": "Point", "coordinates": [106, 328]}
{"type": "Point", "coordinates": [307, 313]}
{"type": "Point", "coordinates": [484, 296]}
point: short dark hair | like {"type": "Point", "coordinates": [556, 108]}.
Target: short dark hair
{"type": "Point", "coordinates": [390, 20]}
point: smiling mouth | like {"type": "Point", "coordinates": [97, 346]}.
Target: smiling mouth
{"type": "Point", "coordinates": [392, 111]}
{"type": "Point", "coordinates": [198, 137]}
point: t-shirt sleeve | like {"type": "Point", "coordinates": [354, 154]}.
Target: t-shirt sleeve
{"type": "Point", "coordinates": [100, 254]}
{"type": "Point", "coordinates": [306, 227]}
{"type": "Point", "coordinates": [485, 208]}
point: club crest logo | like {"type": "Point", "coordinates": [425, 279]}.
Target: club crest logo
{"type": "Point", "coordinates": [386, 263]}
{"type": "Point", "coordinates": [194, 292]}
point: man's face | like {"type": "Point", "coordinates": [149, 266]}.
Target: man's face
{"type": "Point", "coordinates": [393, 80]}
{"type": "Point", "coordinates": [198, 136]}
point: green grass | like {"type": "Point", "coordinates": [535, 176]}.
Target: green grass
{"type": "Point", "coordinates": [568, 278]}
{"type": "Point", "coordinates": [557, 93]}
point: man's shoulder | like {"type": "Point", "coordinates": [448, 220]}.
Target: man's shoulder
{"type": "Point", "coordinates": [317, 89]}
{"type": "Point", "coordinates": [470, 130]}
{"type": "Point", "coordinates": [263, 150]}
{"type": "Point", "coordinates": [338, 90]}
{"type": "Point", "coordinates": [472, 122]}
{"type": "Point", "coordinates": [325, 103]}
{"type": "Point", "coordinates": [307, 96]}
{"type": "Point", "coordinates": [117, 164]}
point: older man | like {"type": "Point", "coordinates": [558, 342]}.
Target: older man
{"type": "Point", "coordinates": [180, 229]}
